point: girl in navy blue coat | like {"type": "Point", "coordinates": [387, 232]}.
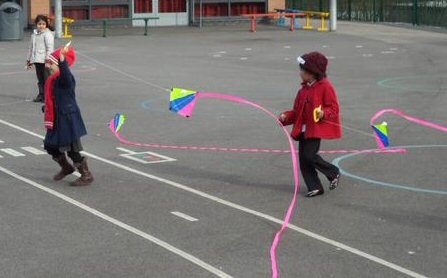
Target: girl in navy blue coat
{"type": "Point", "coordinates": [63, 119]}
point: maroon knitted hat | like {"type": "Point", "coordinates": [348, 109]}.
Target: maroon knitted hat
{"type": "Point", "coordinates": [314, 62]}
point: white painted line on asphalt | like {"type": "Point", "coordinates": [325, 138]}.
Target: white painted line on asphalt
{"type": "Point", "coordinates": [12, 152]}
{"type": "Point", "coordinates": [287, 47]}
{"type": "Point", "coordinates": [242, 208]}
{"type": "Point", "coordinates": [126, 150]}
{"type": "Point", "coordinates": [248, 49]}
{"type": "Point", "coordinates": [120, 224]}
{"type": "Point", "coordinates": [1, 156]}
{"type": "Point", "coordinates": [184, 216]}
{"type": "Point", "coordinates": [148, 157]}
{"type": "Point", "coordinates": [359, 46]}
{"type": "Point", "coordinates": [33, 150]}
{"type": "Point", "coordinates": [264, 216]}
{"type": "Point", "coordinates": [387, 52]}
{"type": "Point", "coordinates": [367, 55]}
{"type": "Point", "coordinates": [244, 58]}
{"type": "Point", "coordinates": [1, 142]}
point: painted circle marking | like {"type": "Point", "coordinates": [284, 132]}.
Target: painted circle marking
{"type": "Point", "coordinates": [373, 182]}
{"type": "Point", "coordinates": [404, 83]}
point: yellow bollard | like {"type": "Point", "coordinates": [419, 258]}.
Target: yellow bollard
{"type": "Point", "coordinates": [324, 27]}
{"type": "Point", "coordinates": [67, 22]}
{"type": "Point", "coordinates": [308, 26]}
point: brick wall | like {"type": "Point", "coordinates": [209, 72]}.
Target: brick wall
{"type": "Point", "coordinates": [276, 4]}
{"type": "Point", "coordinates": [37, 7]}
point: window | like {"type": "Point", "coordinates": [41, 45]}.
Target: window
{"type": "Point", "coordinates": [143, 6]}
{"type": "Point", "coordinates": [172, 6]}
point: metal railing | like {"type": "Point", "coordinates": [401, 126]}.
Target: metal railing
{"type": "Point", "coordinates": [416, 12]}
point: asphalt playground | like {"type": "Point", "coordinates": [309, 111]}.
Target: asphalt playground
{"type": "Point", "coordinates": [155, 212]}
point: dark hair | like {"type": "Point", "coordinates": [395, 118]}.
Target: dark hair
{"type": "Point", "coordinates": [317, 76]}
{"type": "Point", "coordinates": [45, 19]}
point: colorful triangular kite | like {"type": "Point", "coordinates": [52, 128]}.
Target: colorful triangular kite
{"type": "Point", "coordinates": [381, 132]}
{"type": "Point", "coordinates": [117, 122]}
{"type": "Point", "coordinates": [182, 101]}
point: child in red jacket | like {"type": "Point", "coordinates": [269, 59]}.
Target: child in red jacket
{"type": "Point", "coordinates": [315, 116]}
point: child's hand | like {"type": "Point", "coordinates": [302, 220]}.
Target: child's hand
{"type": "Point", "coordinates": [62, 55]}
{"type": "Point", "coordinates": [64, 51]}
{"type": "Point", "coordinates": [282, 118]}
{"type": "Point", "coordinates": [320, 114]}
{"type": "Point", "coordinates": [28, 65]}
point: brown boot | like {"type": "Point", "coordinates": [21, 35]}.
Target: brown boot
{"type": "Point", "coordinates": [66, 167]}
{"type": "Point", "coordinates": [86, 176]}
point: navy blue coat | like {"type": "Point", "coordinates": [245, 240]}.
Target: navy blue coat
{"type": "Point", "coordinates": [68, 124]}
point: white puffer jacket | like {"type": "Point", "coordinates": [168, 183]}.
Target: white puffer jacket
{"type": "Point", "coordinates": [41, 46]}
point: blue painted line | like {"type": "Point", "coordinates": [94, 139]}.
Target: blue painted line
{"type": "Point", "coordinates": [372, 182]}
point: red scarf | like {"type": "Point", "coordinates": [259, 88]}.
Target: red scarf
{"type": "Point", "coordinates": [50, 113]}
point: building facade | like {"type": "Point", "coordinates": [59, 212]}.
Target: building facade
{"type": "Point", "coordinates": [170, 12]}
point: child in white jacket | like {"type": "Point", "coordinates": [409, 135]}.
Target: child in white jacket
{"type": "Point", "coordinates": [41, 46]}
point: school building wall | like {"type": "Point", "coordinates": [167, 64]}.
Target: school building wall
{"type": "Point", "coordinates": [169, 10]}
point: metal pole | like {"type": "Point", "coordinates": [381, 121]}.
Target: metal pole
{"type": "Point", "coordinates": [374, 11]}
{"type": "Point", "coordinates": [229, 8]}
{"type": "Point", "coordinates": [333, 15]}
{"type": "Point", "coordinates": [201, 14]}
{"type": "Point", "coordinates": [350, 10]}
{"type": "Point", "coordinates": [90, 10]}
{"type": "Point", "coordinates": [58, 18]}
{"type": "Point", "coordinates": [381, 11]}
{"type": "Point", "coordinates": [193, 12]}
{"type": "Point", "coordinates": [415, 13]}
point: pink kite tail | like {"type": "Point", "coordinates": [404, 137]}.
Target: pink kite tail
{"type": "Point", "coordinates": [289, 214]}
{"type": "Point", "coordinates": [409, 118]}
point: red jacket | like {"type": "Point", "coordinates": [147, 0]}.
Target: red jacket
{"type": "Point", "coordinates": [307, 99]}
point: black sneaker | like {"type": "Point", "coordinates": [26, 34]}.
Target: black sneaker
{"type": "Point", "coordinates": [334, 182]}
{"type": "Point", "coordinates": [39, 98]}
{"type": "Point", "coordinates": [314, 193]}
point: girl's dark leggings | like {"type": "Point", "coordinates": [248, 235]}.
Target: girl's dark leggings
{"type": "Point", "coordinates": [55, 153]}
{"type": "Point", "coordinates": [42, 75]}
{"type": "Point", "coordinates": [310, 162]}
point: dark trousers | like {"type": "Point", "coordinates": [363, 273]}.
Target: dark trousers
{"type": "Point", "coordinates": [55, 153]}
{"type": "Point", "coordinates": [310, 162]}
{"type": "Point", "coordinates": [42, 75]}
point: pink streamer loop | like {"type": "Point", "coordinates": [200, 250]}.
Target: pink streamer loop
{"type": "Point", "coordinates": [125, 141]}
{"type": "Point", "coordinates": [408, 118]}
{"type": "Point", "coordinates": [292, 151]}
{"type": "Point", "coordinates": [289, 213]}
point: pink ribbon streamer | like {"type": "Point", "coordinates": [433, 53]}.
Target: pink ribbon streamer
{"type": "Point", "coordinates": [292, 151]}
{"type": "Point", "coordinates": [125, 141]}
{"type": "Point", "coordinates": [408, 118]}
{"type": "Point", "coordinates": [289, 213]}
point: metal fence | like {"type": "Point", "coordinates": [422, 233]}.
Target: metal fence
{"type": "Point", "coordinates": [417, 12]}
